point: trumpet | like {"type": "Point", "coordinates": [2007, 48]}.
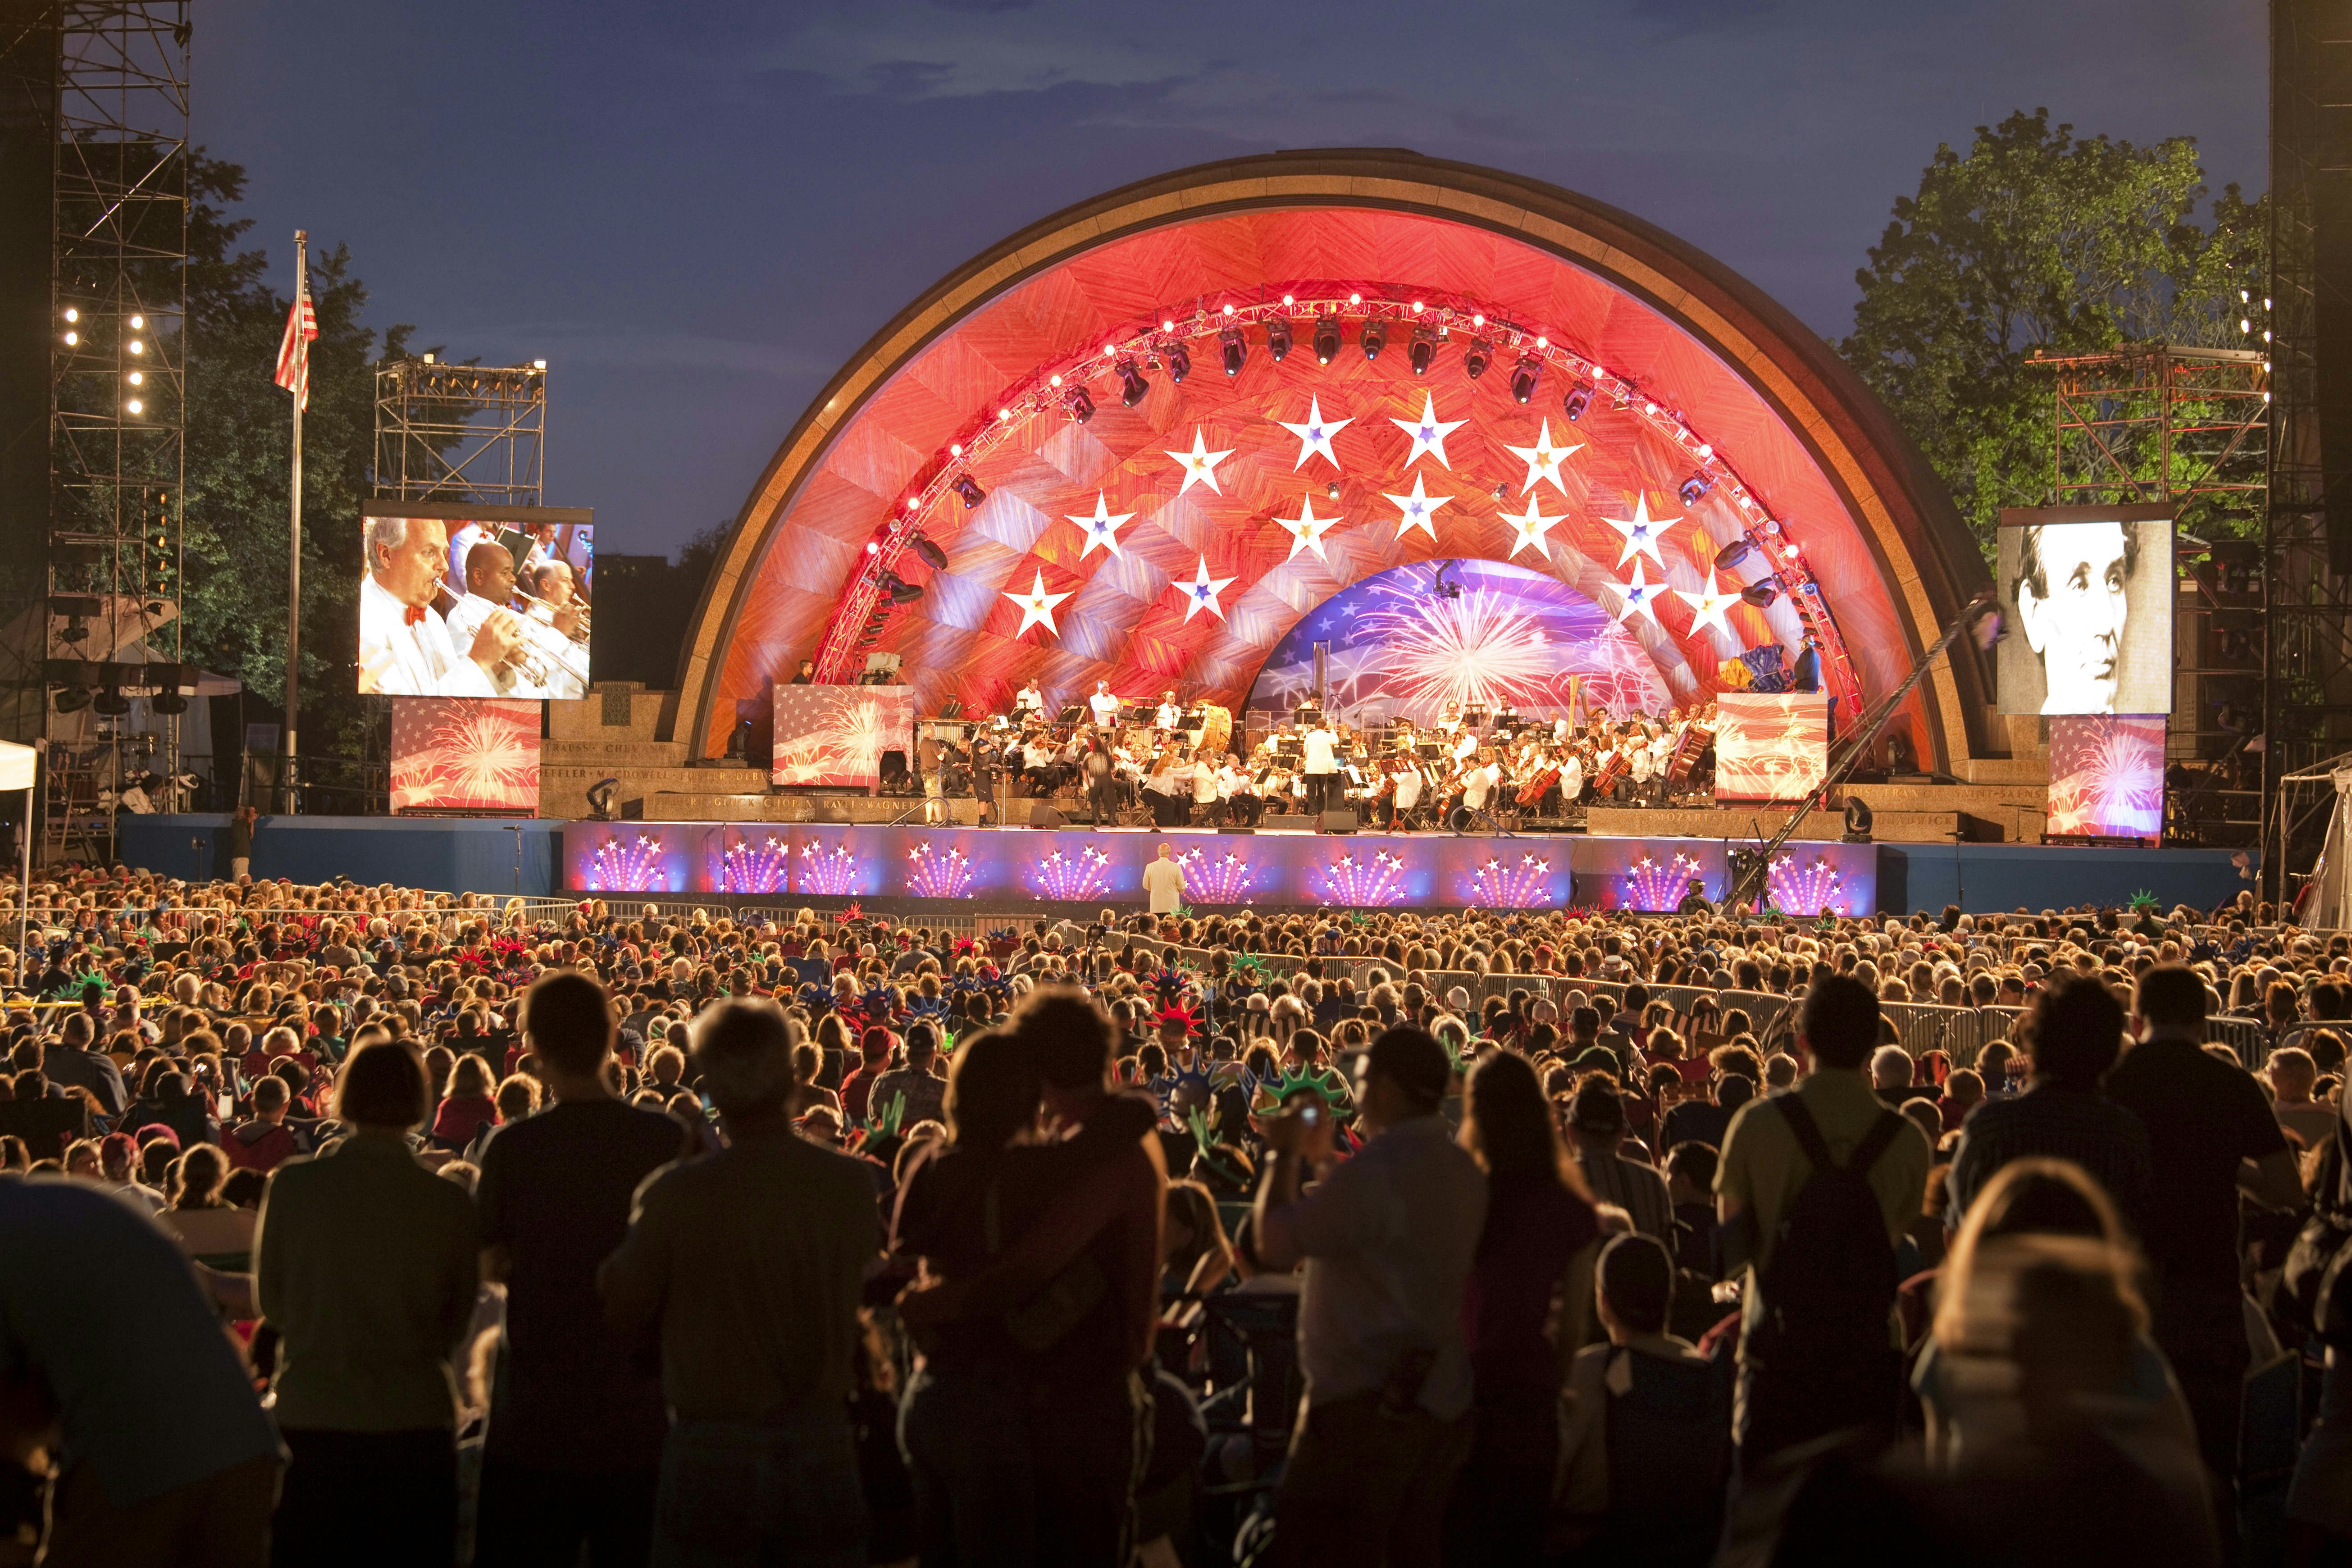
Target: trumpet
{"type": "Point", "coordinates": [580, 604]}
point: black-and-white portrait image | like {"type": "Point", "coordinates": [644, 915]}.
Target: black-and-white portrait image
{"type": "Point", "coordinates": [2087, 607]}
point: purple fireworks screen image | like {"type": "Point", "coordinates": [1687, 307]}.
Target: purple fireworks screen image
{"type": "Point", "coordinates": [1405, 642]}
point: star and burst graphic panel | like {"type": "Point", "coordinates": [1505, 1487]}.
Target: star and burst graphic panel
{"type": "Point", "coordinates": [1400, 648]}
{"type": "Point", "coordinates": [1008, 869]}
{"type": "Point", "coordinates": [465, 753]}
{"type": "Point", "coordinates": [2107, 775]}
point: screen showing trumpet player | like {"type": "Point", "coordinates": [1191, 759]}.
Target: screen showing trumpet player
{"type": "Point", "coordinates": [458, 607]}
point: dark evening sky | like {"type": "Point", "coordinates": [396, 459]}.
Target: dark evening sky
{"type": "Point", "coordinates": [694, 212]}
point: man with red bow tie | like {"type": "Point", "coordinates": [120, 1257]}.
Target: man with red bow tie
{"type": "Point", "coordinates": [405, 648]}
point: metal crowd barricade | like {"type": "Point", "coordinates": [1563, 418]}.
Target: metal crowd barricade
{"type": "Point", "coordinates": [1924, 1026]}
{"type": "Point", "coordinates": [2247, 1036]}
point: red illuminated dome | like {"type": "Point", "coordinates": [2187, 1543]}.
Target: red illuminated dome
{"type": "Point", "coordinates": [1093, 366]}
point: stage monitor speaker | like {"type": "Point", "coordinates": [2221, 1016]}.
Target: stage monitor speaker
{"type": "Point", "coordinates": [1341, 820]}
{"type": "Point", "coordinates": [1043, 814]}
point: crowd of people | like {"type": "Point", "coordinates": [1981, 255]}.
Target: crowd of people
{"type": "Point", "coordinates": [355, 1225]}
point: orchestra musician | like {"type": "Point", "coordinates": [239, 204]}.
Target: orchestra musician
{"type": "Point", "coordinates": [1104, 706]}
{"type": "Point", "coordinates": [1169, 717]}
{"type": "Point", "coordinates": [406, 647]}
{"type": "Point", "coordinates": [1100, 770]}
{"type": "Point", "coordinates": [1167, 791]}
{"type": "Point", "coordinates": [1029, 702]}
{"type": "Point", "coordinates": [1237, 792]}
{"type": "Point", "coordinates": [1570, 787]}
{"type": "Point", "coordinates": [1205, 799]}
{"type": "Point", "coordinates": [550, 663]}
{"type": "Point", "coordinates": [1322, 769]}
{"type": "Point", "coordinates": [1406, 781]}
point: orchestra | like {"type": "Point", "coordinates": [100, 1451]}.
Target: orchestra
{"type": "Point", "coordinates": [1128, 761]}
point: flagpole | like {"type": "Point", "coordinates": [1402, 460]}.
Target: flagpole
{"type": "Point", "coordinates": [294, 550]}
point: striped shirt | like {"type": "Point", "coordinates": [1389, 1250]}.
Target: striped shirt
{"type": "Point", "coordinates": [2054, 1121]}
{"type": "Point", "coordinates": [1636, 1188]}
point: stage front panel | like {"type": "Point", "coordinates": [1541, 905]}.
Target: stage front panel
{"type": "Point", "coordinates": [1013, 868]}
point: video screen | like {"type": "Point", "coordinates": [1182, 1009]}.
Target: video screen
{"type": "Point", "coordinates": [2086, 613]}
{"type": "Point", "coordinates": [482, 603]}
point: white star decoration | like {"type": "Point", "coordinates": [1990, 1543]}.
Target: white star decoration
{"type": "Point", "coordinates": [1428, 432]}
{"type": "Point", "coordinates": [1101, 529]}
{"type": "Point", "coordinates": [1543, 459]}
{"type": "Point", "coordinates": [1639, 596]}
{"type": "Point", "coordinates": [1307, 529]}
{"type": "Point", "coordinates": [1708, 606]}
{"type": "Point", "coordinates": [1037, 606]}
{"type": "Point", "coordinates": [1315, 435]}
{"type": "Point", "coordinates": [1642, 531]}
{"type": "Point", "coordinates": [1527, 529]}
{"type": "Point", "coordinates": [1201, 592]}
{"type": "Point", "coordinates": [1200, 463]}
{"type": "Point", "coordinates": [1416, 509]}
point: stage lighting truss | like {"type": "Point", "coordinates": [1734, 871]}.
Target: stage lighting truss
{"type": "Point", "coordinates": [1163, 340]}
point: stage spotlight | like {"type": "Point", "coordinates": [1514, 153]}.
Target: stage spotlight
{"type": "Point", "coordinates": [933, 556]}
{"type": "Point", "coordinates": [1278, 338]}
{"type": "Point", "coordinates": [1179, 360]}
{"type": "Point", "coordinates": [1693, 487]}
{"type": "Point", "coordinates": [1524, 376]}
{"type": "Point", "coordinates": [899, 590]}
{"type": "Point", "coordinates": [1373, 339]}
{"type": "Point", "coordinates": [1326, 339]}
{"type": "Point", "coordinates": [1424, 348]}
{"type": "Point", "coordinates": [600, 799]}
{"type": "Point", "coordinates": [1761, 595]}
{"type": "Point", "coordinates": [969, 488]}
{"type": "Point", "coordinates": [1131, 384]}
{"type": "Point", "coordinates": [1733, 553]}
{"type": "Point", "coordinates": [72, 699]}
{"type": "Point", "coordinates": [110, 702]}
{"type": "Point", "coordinates": [1234, 348]}
{"type": "Point", "coordinates": [1475, 357]}
{"type": "Point", "coordinates": [1858, 820]}
{"type": "Point", "coordinates": [1082, 405]}
{"type": "Point", "coordinates": [1575, 403]}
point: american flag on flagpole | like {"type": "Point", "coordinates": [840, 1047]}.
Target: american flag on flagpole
{"type": "Point", "coordinates": [294, 352]}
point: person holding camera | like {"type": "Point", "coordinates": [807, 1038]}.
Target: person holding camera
{"type": "Point", "coordinates": [1387, 1237]}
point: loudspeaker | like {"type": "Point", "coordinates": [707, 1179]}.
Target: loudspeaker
{"type": "Point", "coordinates": [1341, 819]}
{"type": "Point", "coordinates": [1043, 814]}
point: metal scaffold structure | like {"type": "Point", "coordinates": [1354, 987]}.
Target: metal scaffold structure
{"type": "Point", "coordinates": [460, 432]}
{"type": "Point", "coordinates": [2187, 429]}
{"type": "Point", "coordinates": [118, 451]}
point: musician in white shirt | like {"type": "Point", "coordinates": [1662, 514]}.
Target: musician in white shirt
{"type": "Point", "coordinates": [405, 648]}
{"type": "Point", "coordinates": [1321, 768]}
{"type": "Point", "coordinates": [461, 546]}
{"type": "Point", "coordinates": [549, 664]}
{"type": "Point", "coordinates": [1571, 777]}
{"type": "Point", "coordinates": [559, 604]}
{"type": "Point", "coordinates": [1103, 705]}
{"type": "Point", "coordinates": [1170, 716]}
{"type": "Point", "coordinates": [1029, 700]}
{"type": "Point", "coordinates": [1479, 783]}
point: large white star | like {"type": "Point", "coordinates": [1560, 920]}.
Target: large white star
{"type": "Point", "coordinates": [1428, 432]}
{"type": "Point", "coordinates": [1639, 596]}
{"type": "Point", "coordinates": [1315, 435]}
{"type": "Point", "coordinates": [1543, 459]}
{"type": "Point", "coordinates": [1200, 463]}
{"type": "Point", "coordinates": [1708, 606]}
{"type": "Point", "coordinates": [1101, 529]}
{"type": "Point", "coordinates": [1527, 529]}
{"type": "Point", "coordinates": [1201, 592]}
{"type": "Point", "coordinates": [1307, 529]}
{"type": "Point", "coordinates": [1416, 509]}
{"type": "Point", "coordinates": [1642, 531]}
{"type": "Point", "coordinates": [1037, 606]}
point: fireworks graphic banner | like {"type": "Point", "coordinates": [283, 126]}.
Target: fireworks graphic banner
{"type": "Point", "coordinates": [1808, 886]}
{"type": "Point", "coordinates": [1222, 878]}
{"type": "Point", "coordinates": [835, 735]}
{"type": "Point", "coordinates": [1402, 648]}
{"type": "Point", "coordinates": [1657, 883]}
{"type": "Point", "coordinates": [463, 754]}
{"type": "Point", "coordinates": [829, 870]}
{"type": "Point", "coordinates": [632, 861]}
{"type": "Point", "coordinates": [1067, 875]}
{"type": "Point", "coordinates": [1373, 881]}
{"type": "Point", "coordinates": [1771, 747]}
{"type": "Point", "coordinates": [1501, 884]}
{"type": "Point", "coordinates": [936, 872]}
{"type": "Point", "coordinates": [754, 863]}
{"type": "Point", "coordinates": [2107, 775]}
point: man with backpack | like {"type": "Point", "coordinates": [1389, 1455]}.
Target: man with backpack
{"type": "Point", "coordinates": [1814, 1188]}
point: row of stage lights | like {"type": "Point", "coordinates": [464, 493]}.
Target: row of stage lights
{"type": "Point", "coordinates": [1426, 332]}
{"type": "Point", "coordinates": [134, 379]}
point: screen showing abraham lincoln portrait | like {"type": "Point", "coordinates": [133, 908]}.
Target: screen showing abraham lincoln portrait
{"type": "Point", "coordinates": [2086, 610]}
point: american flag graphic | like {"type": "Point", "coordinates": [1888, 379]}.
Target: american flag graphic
{"type": "Point", "coordinates": [2107, 775]}
{"type": "Point", "coordinates": [1771, 747]}
{"type": "Point", "coordinates": [835, 735]}
{"type": "Point", "coordinates": [294, 351]}
{"type": "Point", "coordinates": [463, 754]}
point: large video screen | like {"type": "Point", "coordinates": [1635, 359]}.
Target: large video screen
{"type": "Point", "coordinates": [491, 602]}
{"type": "Point", "coordinates": [2086, 607]}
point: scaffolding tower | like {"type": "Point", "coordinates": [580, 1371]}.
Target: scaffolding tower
{"type": "Point", "coordinates": [117, 448]}
{"type": "Point", "coordinates": [2187, 429]}
{"type": "Point", "coordinates": [460, 432]}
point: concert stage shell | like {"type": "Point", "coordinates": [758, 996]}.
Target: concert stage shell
{"type": "Point", "coordinates": [1693, 374]}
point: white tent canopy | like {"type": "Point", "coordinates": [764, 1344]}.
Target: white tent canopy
{"type": "Point", "coordinates": [17, 765]}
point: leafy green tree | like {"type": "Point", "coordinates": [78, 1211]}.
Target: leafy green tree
{"type": "Point", "coordinates": [2037, 239]}
{"type": "Point", "coordinates": [240, 433]}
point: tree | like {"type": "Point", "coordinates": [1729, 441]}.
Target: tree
{"type": "Point", "coordinates": [239, 436]}
{"type": "Point", "coordinates": [2037, 239]}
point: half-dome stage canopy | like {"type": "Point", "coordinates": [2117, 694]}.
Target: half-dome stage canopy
{"type": "Point", "coordinates": [1091, 427]}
